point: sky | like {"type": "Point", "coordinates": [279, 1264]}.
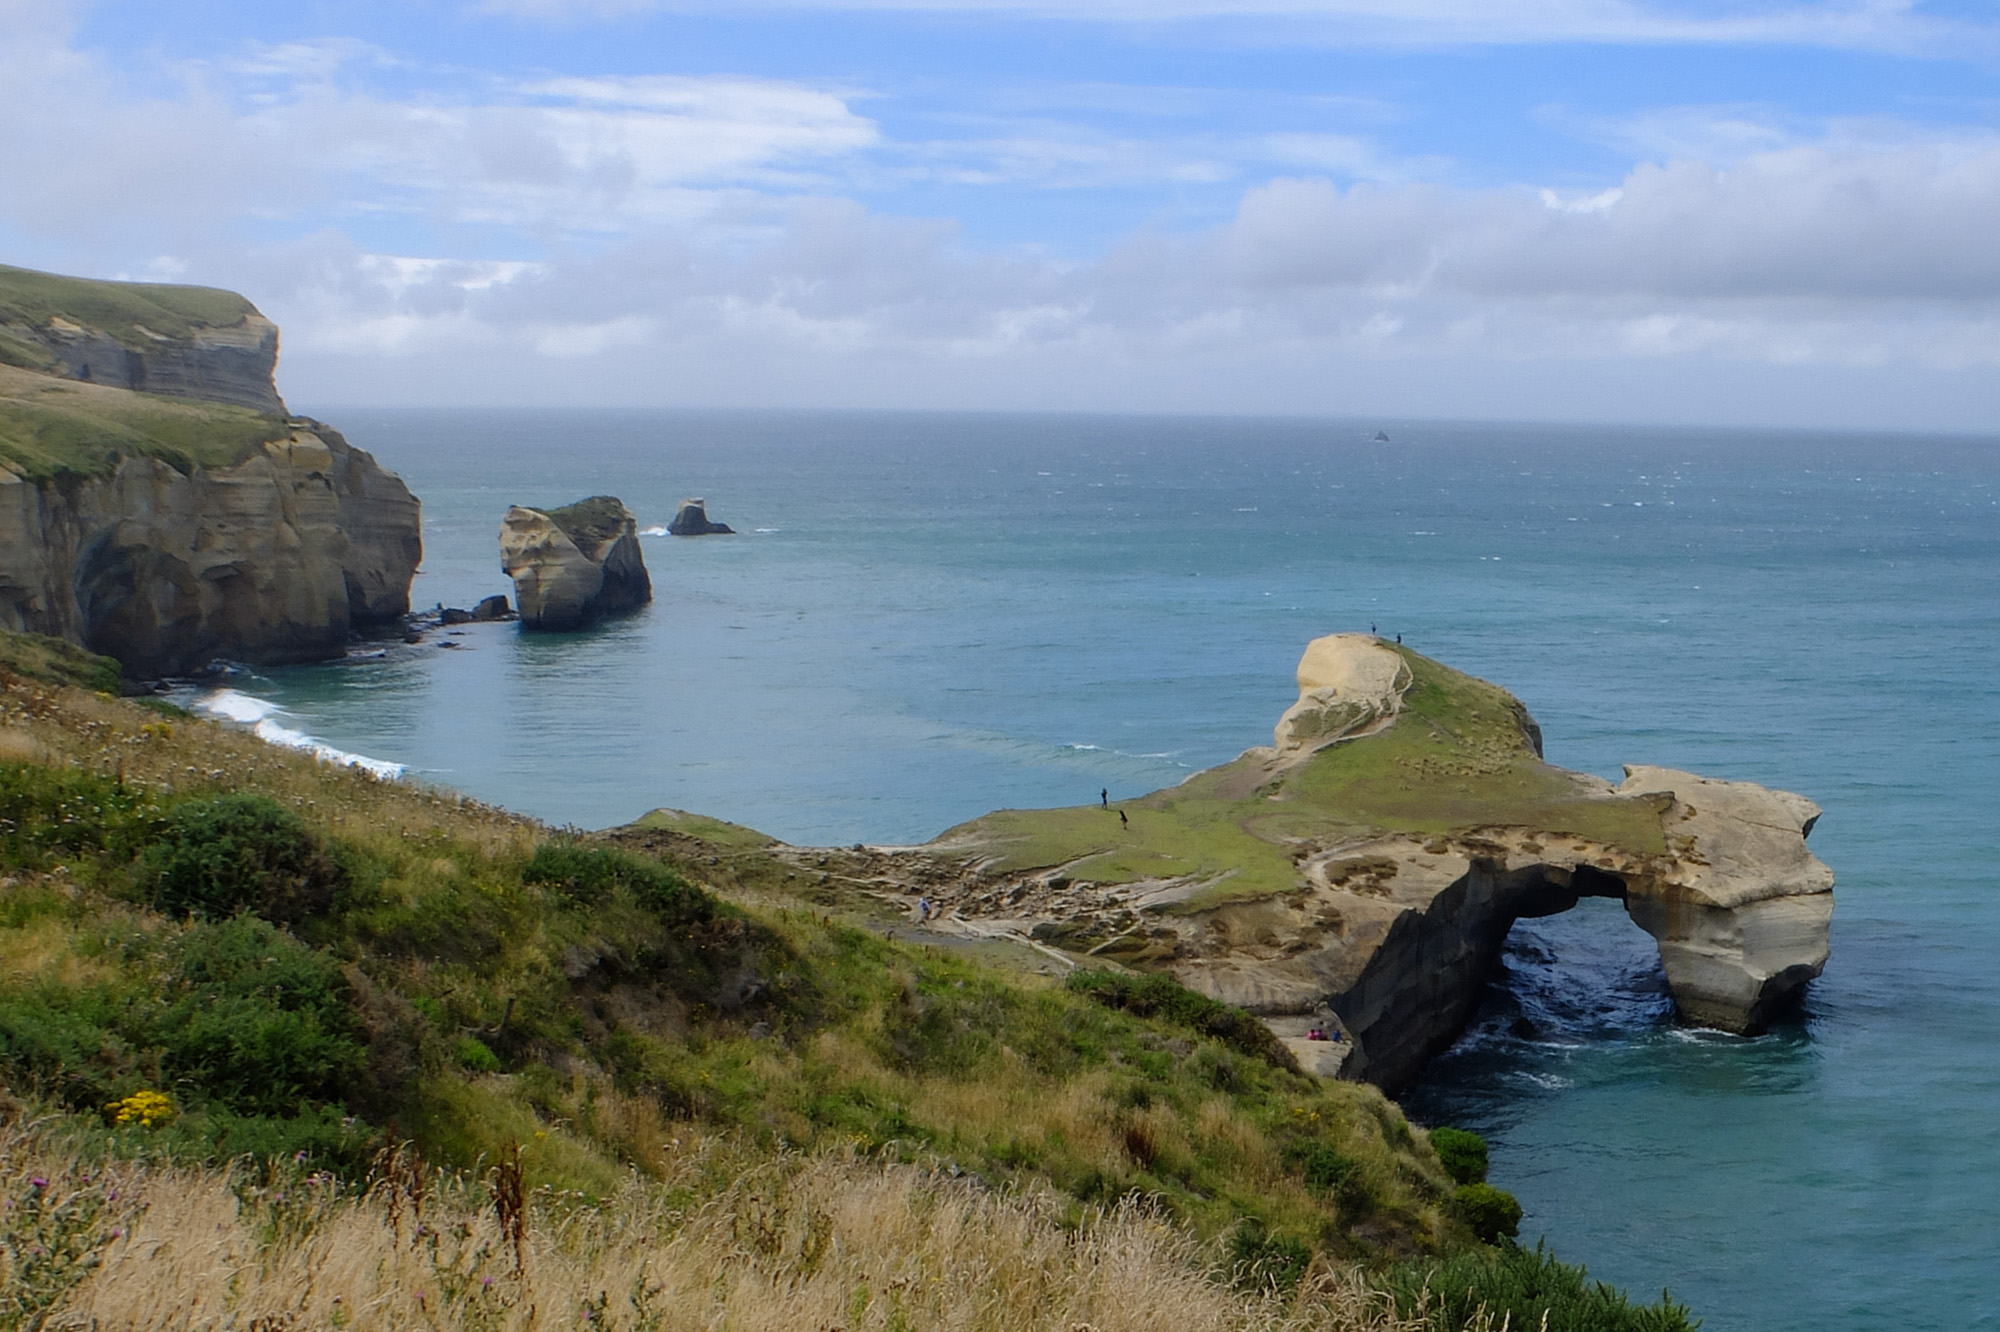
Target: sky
{"type": "Point", "coordinates": [1699, 211]}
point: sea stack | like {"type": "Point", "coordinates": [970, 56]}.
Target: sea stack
{"type": "Point", "coordinates": [575, 565]}
{"type": "Point", "coordinates": [692, 520]}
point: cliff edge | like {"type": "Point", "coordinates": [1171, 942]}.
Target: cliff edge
{"type": "Point", "coordinates": [159, 506]}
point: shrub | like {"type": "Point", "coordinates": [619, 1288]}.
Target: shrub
{"type": "Point", "coordinates": [231, 853]}
{"type": "Point", "coordinates": [1462, 1154]}
{"type": "Point", "coordinates": [1259, 1260]}
{"type": "Point", "coordinates": [1524, 1288]}
{"type": "Point", "coordinates": [1324, 1169]}
{"type": "Point", "coordinates": [256, 1020]}
{"type": "Point", "coordinates": [1488, 1212]}
{"type": "Point", "coordinates": [1157, 996]}
{"type": "Point", "coordinates": [591, 875]}
{"type": "Point", "coordinates": [474, 1056]}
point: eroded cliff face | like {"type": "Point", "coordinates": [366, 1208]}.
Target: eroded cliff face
{"type": "Point", "coordinates": [277, 559]}
{"type": "Point", "coordinates": [1362, 874]}
{"type": "Point", "coordinates": [234, 363]}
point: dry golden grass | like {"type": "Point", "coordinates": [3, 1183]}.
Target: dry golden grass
{"type": "Point", "coordinates": [784, 1245]}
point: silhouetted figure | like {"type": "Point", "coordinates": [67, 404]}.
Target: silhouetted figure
{"type": "Point", "coordinates": [1399, 640]}
{"type": "Point", "coordinates": [1371, 630]}
{"type": "Point", "coordinates": [1123, 822]}
{"type": "Point", "coordinates": [1104, 797]}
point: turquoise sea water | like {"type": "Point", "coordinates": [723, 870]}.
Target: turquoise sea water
{"type": "Point", "coordinates": [927, 617]}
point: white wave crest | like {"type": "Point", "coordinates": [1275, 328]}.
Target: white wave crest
{"type": "Point", "coordinates": [260, 716]}
{"type": "Point", "coordinates": [654, 531]}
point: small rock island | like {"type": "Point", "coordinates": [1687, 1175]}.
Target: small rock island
{"type": "Point", "coordinates": [692, 520]}
{"type": "Point", "coordinates": [575, 565]}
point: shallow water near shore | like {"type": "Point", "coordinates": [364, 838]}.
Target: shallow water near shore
{"type": "Point", "coordinates": [927, 617]}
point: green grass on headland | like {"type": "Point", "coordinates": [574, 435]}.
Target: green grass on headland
{"type": "Point", "coordinates": [1455, 760]}
{"type": "Point", "coordinates": [51, 426]}
{"type": "Point", "coordinates": [126, 311]}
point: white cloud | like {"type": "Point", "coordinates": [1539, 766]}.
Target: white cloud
{"type": "Point", "coordinates": [1896, 25]}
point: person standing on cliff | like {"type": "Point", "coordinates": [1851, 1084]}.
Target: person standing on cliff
{"type": "Point", "coordinates": [1104, 797]}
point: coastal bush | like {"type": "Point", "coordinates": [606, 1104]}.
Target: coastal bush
{"type": "Point", "coordinates": [1263, 1261]}
{"type": "Point", "coordinates": [1489, 1213]}
{"type": "Point", "coordinates": [257, 1020]}
{"type": "Point", "coordinates": [1524, 1288]}
{"type": "Point", "coordinates": [590, 875]}
{"type": "Point", "coordinates": [238, 1014]}
{"type": "Point", "coordinates": [1161, 996]}
{"type": "Point", "coordinates": [1325, 1169]}
{"type": "Point", "coordinates": [1462, 1154]}
{"type": "Point", "coordinates": [228, 853]}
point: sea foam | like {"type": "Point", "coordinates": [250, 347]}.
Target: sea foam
{"type": "Point", "coordinates": [261, 717]}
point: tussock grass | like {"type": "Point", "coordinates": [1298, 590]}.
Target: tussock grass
{"type": "Point", "coordinates": [748, 1243]}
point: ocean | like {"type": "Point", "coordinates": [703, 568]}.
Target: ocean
{"type": "Point", "coordinates": [925, 617]}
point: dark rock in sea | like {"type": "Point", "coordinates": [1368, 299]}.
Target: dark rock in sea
{"type": "Point", "coordinates": [692, 520]}
{"type": "Point", "coordinates": [494, 607]}
{"type": "Point", "coordinates": [454, 615]}
{"type": "Point", "coordinates": [575, 565]}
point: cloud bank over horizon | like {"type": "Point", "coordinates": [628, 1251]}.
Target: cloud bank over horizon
{"type": "Point", "coordinates": [595, 226]}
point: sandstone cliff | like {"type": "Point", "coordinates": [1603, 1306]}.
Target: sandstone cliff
{"type": "Point", "coordinates": [574, 565]}
{"type": "Point", "coordinates": [1363, 873]}
{"type": "Point", "coordinates": [193, 521]}
{"type": "Point", "coordinates": [182, 342]}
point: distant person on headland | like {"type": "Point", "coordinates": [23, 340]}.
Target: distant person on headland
{"type": "Point", "coordinates": [1399, 640]}
{"type": "Point", "coordinates": [1123, 822]}
{"type": "Point", "coordinates": [1104, 797]}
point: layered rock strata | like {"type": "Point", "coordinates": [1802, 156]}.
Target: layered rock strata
{"type": "Point", "coordinates": [181, 342]}
{"type": "Point", "coordinates": [277, 559]}
{"type": "Point", "coordinates": [1361, 875]}
{"type": "Point", "coordinates": [574, 565]}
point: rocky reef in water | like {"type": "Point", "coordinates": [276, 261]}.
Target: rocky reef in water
{"type": "Point", "coordinates": [575, 565]}
{"type": "Point", "coordinates": [157, 502]}
{"type": "Point", "coordinates": [1361, 874]}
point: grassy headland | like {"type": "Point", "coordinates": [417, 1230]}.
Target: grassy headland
{"type": "Point", "coordinates": [239, 986]}
{"type": "Point", "coordinates": [1455, 760]}
{"type": "Point", "coordinates": [136, 315]}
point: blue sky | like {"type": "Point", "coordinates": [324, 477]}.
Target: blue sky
{"type": "Point", "coordinates": [1567, 209]}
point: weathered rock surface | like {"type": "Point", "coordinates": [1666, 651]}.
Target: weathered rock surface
{"type": "Point", "coordinates": [1416, 823]}
{"type": "Point", "coordinates": [574, 565]}
{"type": "Point", "coordinates": [182, 342]}
{"type": "Point", "coordinates": [1349, 684]}
{"type": "Point", "coordinates": [691, 519]}
{"type": "Point", "coordinates": [277, 559]}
